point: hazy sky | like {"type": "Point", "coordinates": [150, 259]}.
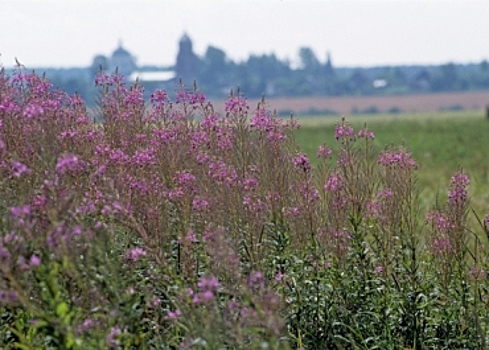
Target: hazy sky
{"type": "Point", "coordinates": [65, 33]}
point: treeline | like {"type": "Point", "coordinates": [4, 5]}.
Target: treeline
{"type": "Point", "coordinates": [271, 76]}
{"type": "Point", "coordinates": [267, 74]}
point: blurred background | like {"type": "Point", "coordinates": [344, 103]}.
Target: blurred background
{"type": "Point", "coordinates": [308, 57]}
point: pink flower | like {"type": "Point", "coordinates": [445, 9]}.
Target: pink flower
{"type": "Point", "coordinates": [279, 276]}
{"type": "Point", "coordinates": [343, 131]}
{"type": "Point", "coordinates": [210, 284]}
{"type": "Point", "coordinates": [35, 261]}
{"type": "Point", "coordinates": [135, 254]}
{"type": "Point", "coordinates": [323, 152]}
{"type": "Point", "coordinates": [458, 189]}
{"type": "Point", "coordinates": [335, 183]}
{"type": "Point", "coordinates": [19, 169]}
{"type": "Point", "coordinates": [68, 163]}
{"type": "Point", "coordinates": [301, 161]}
{"type": "Point", "coordinates": [172, 315]}
{"type": "Point", "coordinates": [112, 336]}
{"type": "Point", "coordinates": [366, 133]}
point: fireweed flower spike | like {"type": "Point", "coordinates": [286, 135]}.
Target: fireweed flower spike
{"type": "Point", "coordinates": [458, 189]}
{"type": "Point", "coordinates": [343, 131]}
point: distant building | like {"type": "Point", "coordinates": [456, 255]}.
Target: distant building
{"type": "Point", "coordinates": [100, 62]}
{"type": "Point", "coordinates": [123, 60]}
{"type": "Point", "coordinates": [187, 67]}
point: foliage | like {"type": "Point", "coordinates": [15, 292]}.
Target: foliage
{"type": "Point", "coordinates": [169, 226]}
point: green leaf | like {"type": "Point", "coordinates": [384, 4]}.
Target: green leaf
{"type": "Point", "coordinates": [62, 309]}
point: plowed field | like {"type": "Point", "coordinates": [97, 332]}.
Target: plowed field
{"type": "Point", "coordinates": [405, 103]}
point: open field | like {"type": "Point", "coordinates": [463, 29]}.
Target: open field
{"type": "Point", "coordinates": [405, 103]}
{"type": "Point", "coordinates": [438, 141]}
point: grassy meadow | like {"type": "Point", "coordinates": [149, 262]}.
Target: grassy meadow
{"type": "Point", "coordinates": [170, 226]}
{"type": "Point", "coordinates": [439, 141]}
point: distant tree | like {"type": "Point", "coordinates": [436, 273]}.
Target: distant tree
{"type": "Point", "coordinates": [422, 81]}
{"type": "Point", "coordinates": [309, 61]}
{"type": "Point", "coordinates": [214, 72]}
{"type": "Point", "coordinates": [360, 81]}
{"type": "Point", "coordinates": [446, 78]}
{"type": "Point", "coordinates": [484, 66]}
{"type": "Point", "coordinates": [264, 74]}
{"type": "Point", "coordinates": [215, 58]}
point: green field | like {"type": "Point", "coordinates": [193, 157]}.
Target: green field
{"type": "Point", "coordinates": [439, 142]}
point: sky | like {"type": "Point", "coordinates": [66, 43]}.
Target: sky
{"type": "Point", "coordinates": [69, 33]}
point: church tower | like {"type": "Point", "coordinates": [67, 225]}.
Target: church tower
{"type": "Point", "coordinates": [187, 66]}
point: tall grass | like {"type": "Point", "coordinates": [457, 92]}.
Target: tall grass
{"type": "Point", "coordinates": [440, 142]}
{"type": "Point", "coordinates": [171, 226]}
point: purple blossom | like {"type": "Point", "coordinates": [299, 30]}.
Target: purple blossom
{"type": "Point", "coordinates": [478, 273]}
{"type": "Point", "coordinates": [19, 169]}
{"type": "Point", "coordinates": [254, 205]}
{"type": "Point", "coordinates": [199, 204]}
{"type": "Point", "coordinates": [7, 296]}
{"type": "Point", "coordinates": [184, 178]}
{"type": "Point", "coordinates": [385, 193]}
{"type": "Point", "coordinates": [263, 121]}
{"type": "Point", "coordinates": [442, 245]}
{"type": "Point", "coordinates": [439, 220]}
{"type": "Point", "coordinates": [372, 209]}
{"type": "Point", "coordinates": [33, 111]}
{"type": "Point", "coordinates": [112, 336]}
{"type": "Point", "coordinates": [208, 284]}
{"type": "Point", "coordinates": [4, 253]}
{"type": "Point", "coordinates": [184, 96]}
{"type": "Point", "coordinates": [206, 296]}
{"type": "Point", "coordinates": [256, 281]}
{"type": "Point", "coordinates": [86, 325]}
{"type": "Point", "coordinates": [342, 131]}
{"type": "Point", "coordinates": [67, 134]}
{"type": "Point", "coordinates": [35, 261]}
{"type": "Point", "coordinates": [142, 158]}
{"type": "Point", "coordinates": [159, 97]}
{"type": "Point", "coordinates": [250, 184]}
{"type": "Point", "coordinates": [458, 189]}
{"type": "Point", "coordinates": [279, 276]}
{"type": "Point", "coordinates": [21, 212]}
{"type": "Point", "coordinates": [219, 171]}
{"type": "Point", "coordinates": [68, 163]}
{"type": "Point", "coordinates": [172, 315]}
{"type": "Point", "coordinates": [236, 104]}
{"type": "Point", "coordinates": [292, 212]}
{"type": "Point", "coordinates": [334, 184]}
{"type": "Point", "coordinates": [135, 254]}
{"type": "Point", "coordinates": [401, 159]}
{"type": "Point", "coordinates": [302, 162]}
{"type": "Point", "coordinates": [189, 238]}
{"type": "Point", "coordinates": [323, 152]}
{"type": "Point", "coordinates": [366, 133]}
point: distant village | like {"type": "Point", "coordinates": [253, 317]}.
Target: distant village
{"type": "Point", "coordinates": [215, 74]}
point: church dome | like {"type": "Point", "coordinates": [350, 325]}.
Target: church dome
{"type": "Point", "coordinates": [120, 51]}
{"type": "Point", "coordinates": [123, 60]}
